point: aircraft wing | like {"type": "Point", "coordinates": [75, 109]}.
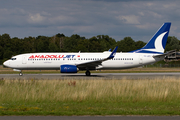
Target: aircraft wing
{"type": "Point", "coordinates": [93, 64]}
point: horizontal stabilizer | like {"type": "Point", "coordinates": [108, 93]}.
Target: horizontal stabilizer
{"type": "Point", "coordinates": [165, 54]}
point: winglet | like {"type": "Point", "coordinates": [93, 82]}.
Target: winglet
{"type": "Point", "coordinates": [113, 53]}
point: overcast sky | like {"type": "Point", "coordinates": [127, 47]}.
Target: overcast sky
{"type": "Point", "coordinates": [138, 19]}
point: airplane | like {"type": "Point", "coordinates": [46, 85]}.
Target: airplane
{"type": "Point", "coordinates": [152, 52]}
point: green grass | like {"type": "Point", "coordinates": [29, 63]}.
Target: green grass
{"type": "Point", "coordinates": [90, 97]}
{"type": "Point", "coordinates": [92, 108]}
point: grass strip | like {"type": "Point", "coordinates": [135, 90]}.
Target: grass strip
{"type": "Point", "coordinates": [90, 97]}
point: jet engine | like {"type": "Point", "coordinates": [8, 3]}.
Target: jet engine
{"type": "Point", "coordinates": [68, 69]}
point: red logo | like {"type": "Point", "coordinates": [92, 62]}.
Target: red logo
{"type": "Point", "coordinates": [46, 56]}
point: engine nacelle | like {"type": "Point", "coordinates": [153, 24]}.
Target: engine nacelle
{"type": "Point", "coordinates": [68, 69]}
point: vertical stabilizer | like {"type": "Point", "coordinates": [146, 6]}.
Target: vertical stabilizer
{"type": "Point", "coordinates": [158, 42]}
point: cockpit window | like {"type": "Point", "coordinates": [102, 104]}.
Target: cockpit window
{"type": "Point", "coordinates": [13, 58]}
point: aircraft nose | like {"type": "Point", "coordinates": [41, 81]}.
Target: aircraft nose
{"type": "Point", "coordinates": [6, 63]}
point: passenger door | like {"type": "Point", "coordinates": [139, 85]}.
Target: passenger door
{"type": "Point", "coordinates": [24, 60]}
{"type": "Point", "coordinates": [140, 59]}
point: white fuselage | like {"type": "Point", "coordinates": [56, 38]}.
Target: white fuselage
{"type": "Point", "coordinates": [53, 61]}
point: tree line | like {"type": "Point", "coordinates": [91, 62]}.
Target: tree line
{"type": "Point", "coordinates": [75, 43]}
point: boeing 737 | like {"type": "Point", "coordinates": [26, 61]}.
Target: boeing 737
{"type": "Point", "coordinates": [152, 52]}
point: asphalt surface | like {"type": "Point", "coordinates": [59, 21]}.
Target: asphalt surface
{"type": "Point", "coordinates": [89, 117]}
{"type": "Point", "coordinates": [81, 76]}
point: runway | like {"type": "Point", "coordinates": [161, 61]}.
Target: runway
{"type": "Point", "coordinates": [81, 76]}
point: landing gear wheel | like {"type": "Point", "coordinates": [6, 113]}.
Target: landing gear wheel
{"type": "Point", "coordinates": [20, 74]}
{"type": "Point", "coordinates": [88, 73]}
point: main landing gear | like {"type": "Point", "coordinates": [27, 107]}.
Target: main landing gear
{"type": "Point", "coordinates": [88, 73]}
{"type": "Point", "coordinates": [21, 74]}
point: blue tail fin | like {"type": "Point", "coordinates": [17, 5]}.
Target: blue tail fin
{"type": "Point", "coordinates": [158, 41]}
